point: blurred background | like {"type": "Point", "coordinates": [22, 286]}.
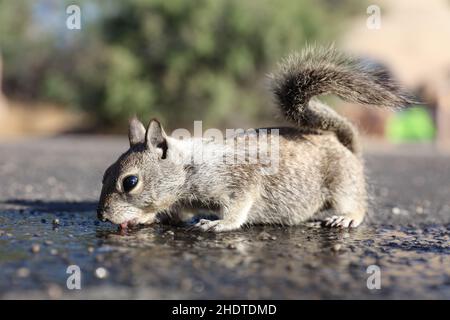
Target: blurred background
{"type": "Point", "coordinates": [208, 60]}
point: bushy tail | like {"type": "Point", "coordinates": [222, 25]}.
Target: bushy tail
{"type": "Point", "coordinates": [317, 71]}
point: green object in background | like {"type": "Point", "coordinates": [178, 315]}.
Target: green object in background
{"type": "Point", "coordinates": [412, 125]}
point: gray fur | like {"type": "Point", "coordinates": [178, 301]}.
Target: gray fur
{"type": "Point", "coordinates": [319, 168]}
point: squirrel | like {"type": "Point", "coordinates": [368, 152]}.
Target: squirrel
{"type": "Point", "coordinates": [320, 167]}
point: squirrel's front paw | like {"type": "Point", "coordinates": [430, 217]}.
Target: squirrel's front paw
{"type": "Point", "coordinates": [213, 226]}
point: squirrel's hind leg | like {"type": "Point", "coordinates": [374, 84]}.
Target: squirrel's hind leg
{"type": "Point", "coordinates": [349, 208]}
{"type": "Point", "coordinates": [348, 197]}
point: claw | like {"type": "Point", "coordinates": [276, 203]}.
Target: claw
{"type": "Point", "coordinates": [340, 222]}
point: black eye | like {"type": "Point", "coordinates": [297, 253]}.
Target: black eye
{"type": "Point", "coordinates": [129, 183]}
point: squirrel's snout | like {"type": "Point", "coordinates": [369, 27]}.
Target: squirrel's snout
{"type": "Point", "coordinates": [101, 214]}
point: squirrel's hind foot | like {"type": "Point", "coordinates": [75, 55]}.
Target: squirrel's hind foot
{"type": "Point", "coordinates": [341, 222]}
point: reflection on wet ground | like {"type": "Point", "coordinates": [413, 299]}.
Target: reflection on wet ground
{"type": "Point", "coordinates": [37, 246]}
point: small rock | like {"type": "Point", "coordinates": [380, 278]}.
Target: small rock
{"type": "Point", "coordinates": [231, 246]}
{"type": "Point", "coordinates": [396, 210]}
{"type": "Point", "coordinates": [90, 249]}
{"type": "Point", "coordinates": [35, 248]}
{"type": "Point", "coordinates": [23, 272]}
{"type": "Point", "coordinates": [53, 252]}
{"type": "Point", "coordinates": [266, 236]}
{"type": "Point", "coordinates": [299, 245]}
{"type": "Point", "coordinates": [198, 287]}
{"type": "Point", "coordinates": [336, 248]}
{"type": "Point", "coordinates": [101, 273]}
{"type": "Point", "coordinates": [55, 222]}
{"type": "Point", "coordinates": [48, 242]}
{"type": "Point", "coordinates": [54, 291]}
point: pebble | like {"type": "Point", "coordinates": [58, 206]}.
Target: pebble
{"type": "Point", "coordinates": [23, 272]}
{"type": "Point", "coordinates": [55, 222]}
{"type": "Point", "coordinates": [231, 246]}
{"type": "Point", "coordinates": [53, 252]}
{"type": "Point", "coordinates": [395, 210]}
{"type": "Point", "coordinates": [336, 248]}
{"type": "Point", "coordinates": [198, 287]}
{"type": "Point", "coordinates": [54, 291]}
{"type": "Point", "coordinates": [35, 248]}
{"type": "Point", "coordinates": [266, 236]}
{"type": "Point", "coordinates": [48, 242]}
{"type": "Point", "coordinates": [90, 249]}
{"type": "Point", "coordinates": [101, 273]}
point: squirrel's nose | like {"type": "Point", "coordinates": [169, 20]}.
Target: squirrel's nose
{"type": "Point", "coordinates": [101, 214]}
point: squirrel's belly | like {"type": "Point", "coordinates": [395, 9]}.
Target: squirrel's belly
{"type": "Point", "coordinates": [284, 211]}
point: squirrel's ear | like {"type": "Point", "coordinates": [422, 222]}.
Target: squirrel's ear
{"type": "Point", "coordinates": [156, 137]}
{"type": "Point", "coordinates": [136, 132]}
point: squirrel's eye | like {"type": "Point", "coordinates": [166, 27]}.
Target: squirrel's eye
{"type": "Point", "coordinates": [129, 183]}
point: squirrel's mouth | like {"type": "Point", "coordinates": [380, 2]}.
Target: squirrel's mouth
{"type": "Point", "coordinates": [127, 224]}
{"type": "Point", "coordinates": [136, 221]}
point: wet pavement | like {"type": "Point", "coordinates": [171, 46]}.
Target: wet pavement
{"type": "Point", "coordinates": [47, 223]}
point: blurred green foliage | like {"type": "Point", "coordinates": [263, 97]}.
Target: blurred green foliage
{"type": "Point", "coordinates": [411, 125]}
{"type": "Point", "coordinates": [175, 59]}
